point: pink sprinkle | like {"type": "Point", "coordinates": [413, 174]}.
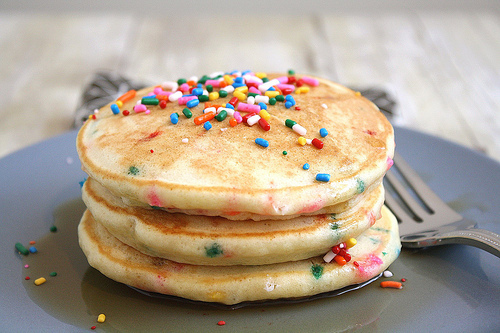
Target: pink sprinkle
{"type": "Point", "coordinates": [310, 81]}
{"type": "Point", "coordinates": [164, 93]}
{"type": "Point", "coordinates": [283, 79]}
{"type": "Point", "coordinates": [248, 107]}
{"type": "Point", "coordinates": [238, 117]}
{"type": "Point", "coordinates": [158, 90]}
{"type": "Point", "coordinates": [213, 83]}
{"type": "Point", "coordinates": [26, 266]}
{"type": "Point", "coordinates": [140, 108]}
{"type": "Point", "coordinates": [184, 100]}
{"type": "Point", "coordinates": [184, 87]}
{"type": "Point", "coordinates": [254, 90]}
{"type": "Point", "coordinates": [390, 162]}
{"type": "Point", "coordinates": [283, 86]}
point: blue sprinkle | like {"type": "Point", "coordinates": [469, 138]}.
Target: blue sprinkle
{"type": "Point", "coordinates": [237, 84]}
{"type": "Point", "coordinates": [239, 79]}
{"type": "Point", "coordinates": [207, 125]}
{"type": "Point", "coordinates": [115, 108]}
{"type": "Point", "coordinates": [174, 118]}
{"type": "Point", "coordinates": [323, 132]}
{"type": "Point", "coordinates": [288, 104]}
{"type": "Point", "coordinates": [230, 106]}
{"type": "Point", "coordinates": [262, 142]}
{"type": "Point", "coordinates": [33, 249]}
{"type": "Point", "coordinates": [197, 91]}
{"type": "Point", "coordinates": [192, 103]}
{"type": "Point", "coordinates": [323, 177]}
{"type": "Point", "coordinates": [305, 166]}
{"type": "Point", "coordinates": [199, 85]}
{"type": "Point", "coordinates": [271, 89]}
{"type": "Point", "coordinates": [263, 106]}
{"type": "Point", "coordinates": [82, 182]}
{"type": "Point", "coordinates": [245, 73]}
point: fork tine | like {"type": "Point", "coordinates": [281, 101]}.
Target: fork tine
{"type": "Point", "coordinates": [419, 213]}
{"type": "Point", "coordinates": [438, 208]}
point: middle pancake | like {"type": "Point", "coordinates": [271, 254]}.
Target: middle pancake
{"type": "Point", "coordinates": [212, 240]}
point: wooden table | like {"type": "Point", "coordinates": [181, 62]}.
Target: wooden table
{"type": "Point", "coordinates": [442, 67]}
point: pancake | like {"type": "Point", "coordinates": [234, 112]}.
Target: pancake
{"type": "Point", "coordinates": [142, 157]}
{"type": "Point", "coordinates": [376, 249]}
{"type": "Point", "coordinates": [212, 240]}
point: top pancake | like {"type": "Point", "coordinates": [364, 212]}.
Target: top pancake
{"type": "Point", "coordinates": [141, 157]}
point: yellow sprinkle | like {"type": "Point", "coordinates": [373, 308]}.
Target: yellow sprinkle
{"type": "Point", "coordinates": [228, 79]}
{"type": "Point", "coordinates": [217, 295]}
{"type": "Point", "coordinates": [357, 93]}
{"type": "Point", "coordinates": [241, 96]}
{"type": "Point", "coordinates": [213, 95]}
{"type": "Point", "coordinates": [40, 281]}
{"type": "Point", "coordinates": [351, 242]}
{"type": "Point", "coordinates": [261, 75]}
{"type": "Point", "coordinates": [302, 141]}
{"type": "Point", "coordinates": [119, 103]}
{"type": "Point", "coordinates": [243, 89]}
{"type": "Point", "coordinates": [101, 318]}
{"type": "Point", "coordinates": [302, 90]}
{"type": "Point", "coordinates": [264, 114]}
{"type": "Point", "coordinates": [271, 93]}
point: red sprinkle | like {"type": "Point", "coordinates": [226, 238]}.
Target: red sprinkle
{"type": "Point", "coordinates": [126, 112]}
{"type": "Point", "coordinates": [234, 101]}
{"type": "Point", "coordinates": [264, 124]}
{"type": "Point", "coordinates": [297, 108]}
{"type": "Point", "coordinates": [355, 263]}
{"type": "Point", "coordinates": [317, 143]}
{"type": "Point", "coordinates": [32, 242]}
{"type": "Point", "coordinates": [152, 151]}
{"type": "Point", "coordinates": [93, 328]}
{"type": "Point", "coordinates": [403, 280]}
{"type": "Point", "coordinates": [336, 249]}
{"type": "Point", "coordinates": [27, 278]}
{"type": "Point", "coordinates": [221, 323]}
{"type": "Point", "coordinates": [163, 104]}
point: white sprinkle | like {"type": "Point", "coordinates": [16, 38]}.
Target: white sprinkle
{"type": "Point", "coordinates": [309, 141]}
{"type": "Point", "coordinates": [223, 129]}
{"type": "Point", "coordinates": [96, 111]}
{"type": "Point", "coordinates": [229, 89]}
{"type": "Point", "coordinates": [329, 256]}
{"type": "Point", "coordinates": [388, 274]}
{"type": "Point", "coordinates": [251, 100]}
{"type": "Point", "coordinates": [270, 286]}
{"type": "Point", "coordinates": [185, 140]}
{"type": "Point", "coordinates": [299, 129]}
{"type": "Point", "coordinates": [253, 120]}
{"type": "Point", "coordinates": [324, 106]}
{"type": "Point", "coordinates": [175, 96]}
{"type": "Point", "coordinates": [69, 160]}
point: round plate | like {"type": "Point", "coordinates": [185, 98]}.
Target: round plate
{"type": "Point", "coordinates": [450, 288]}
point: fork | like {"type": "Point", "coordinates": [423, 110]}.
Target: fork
{"type": "Point", "coordinates": [426, 220]}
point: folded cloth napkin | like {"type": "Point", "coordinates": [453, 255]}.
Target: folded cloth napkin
{"type": "Point", "coordinates": [105, 87]}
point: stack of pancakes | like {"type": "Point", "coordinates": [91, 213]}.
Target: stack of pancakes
{"type": "Point", "coordinates": [214, 208]}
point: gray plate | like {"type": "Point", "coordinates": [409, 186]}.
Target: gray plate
{"type": "Point", "coordinates": [449, 288]}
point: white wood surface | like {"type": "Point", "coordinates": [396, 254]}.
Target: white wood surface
{"type": "Point", "coordinates": [443, 67]}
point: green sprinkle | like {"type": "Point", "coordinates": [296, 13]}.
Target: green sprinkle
{"type": "Point", "coordinates": [333, 216]}
{"type": "Point", "coordinates": [252, 94]}
{"type": "Point", "coordinates": [272, 101]}
{"type": "Point", "coordinates": [213, 251]}
{"type": "Point", "coordinates": [133, 171]}
{"type": "Point", "coordinates": [317, 271]}
{"type": "Point", "coordinates": [360, 186]}
{"type": "Point", "coordinates": [203, 98]}
{"type": "Point", "coordinates": [384, 253]}
{"type": "Point", "coordinates": [285, 152]}
{"type": "Point", "coordinates": [181, 81]}
{"type": "Point", "coordinates": [290, 123]}
{"type": "Point", "coordinates": [265, 79]}
{"type": "Point", "coordinates": [20, 248]}
{"type": "Point", "coordinates": [150, 101]}
{"type": "Point", "coordinates": [53, 273]}
{"type": "Point", "coordinates": [280, 98]}
{"type": "Point", "coordinates": [334, 226]}
{"type": "Point", "coordinates": [203, 79]}
{"type": "Point", "coordinates": [222, 93]}
{"type": "Point", "coordinates": [210, 88]}
{"type": "Point", "coordinates": [156, 207]}
{"type": "Point", "coordinates": [221, 116]}
{"type": "Point", "coordinates": [187, 113]}
{"type": "Point", "coordinates": [291, 72]}
{"type": "Point", "coordinates": [53, 228]}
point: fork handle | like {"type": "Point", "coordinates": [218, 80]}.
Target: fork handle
{"type": "Point", "coordinates": [483, 239]}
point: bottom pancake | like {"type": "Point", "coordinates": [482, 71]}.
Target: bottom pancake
{"type": "Point", "coordinates": [375, 250]}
